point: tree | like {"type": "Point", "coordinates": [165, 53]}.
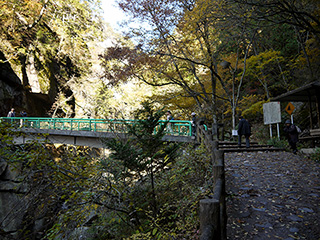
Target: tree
{"type": "Point", "coordinates": [53, 36]}
{"type": "Point", "coordinates": [299, 17]}
{"type": "Point", "coordinates": [301, 14]}
{"type": "Point", "coordinates": [264, 67]}
{"type": "Point", "coordinates": [179, 48]}
{"type": "Point", "coordinates": [143, 154]}
{"type": "Point", "coordinates": [184, 43]}
{"type": "Point", "coordinates": [152, 188]}
{"type": "Point", "coordinates": [183, 46]}
{"type": "Point", "coordinates": [119, 101]}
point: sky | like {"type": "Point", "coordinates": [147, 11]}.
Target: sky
{"type": "Point", "coordinates": [112, 14]}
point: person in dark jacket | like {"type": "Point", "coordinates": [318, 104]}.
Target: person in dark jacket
{"type": "Point", "coordinates": [23, 113]}
{"type": "Point", "coordinates": [292, 135]}
{"type": "Point", "coordinates": [244, 128]}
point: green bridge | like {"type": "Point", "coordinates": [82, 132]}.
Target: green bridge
{"type": "Point", "coordinates": [87, 132]}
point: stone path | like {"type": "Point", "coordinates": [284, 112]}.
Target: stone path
{"type": "Point", "coordinates": [272, 195]}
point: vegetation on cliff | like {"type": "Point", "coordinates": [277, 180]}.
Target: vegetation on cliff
{"type": "Point", "coordinates": [144, 188]}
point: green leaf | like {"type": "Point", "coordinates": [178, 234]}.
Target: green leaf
{"type": "Point", "coordinates": [154, 231]}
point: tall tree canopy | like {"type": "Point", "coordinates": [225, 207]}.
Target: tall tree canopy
{"type": "Point", "coordinates": [182, 43]}
{"type": "Point", "coordinates": [51, 36]}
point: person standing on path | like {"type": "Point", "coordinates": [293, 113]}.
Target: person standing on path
{"type": "Point", "coordinates": [11, 113]}
{"type": "Point", "coordinates": [292, 135]}
{"type": "Point", "coordinates": [23, 113]}
{"type": "Point", "coordinates": [193, 124]}
{"type": "Point", "coordinates": [244, 128]}
{"type": "Point", "coordinates": [169, 117]}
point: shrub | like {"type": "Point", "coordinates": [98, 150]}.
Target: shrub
{"type": "Point", "coordinates": [316, 155]}
{"type": "Point", "coordinates": [260, 133]}
{"type": "Point", "coordinates": [254, 112]}
{"type": "Point", "coordinates": [277, 143]}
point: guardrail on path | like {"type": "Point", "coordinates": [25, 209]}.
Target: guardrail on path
{"type": "Point", "coordinates": [213, 216]}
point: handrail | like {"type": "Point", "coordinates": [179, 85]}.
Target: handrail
{"type": "Point", "coordinates": [213, 211]}
{"type": "Point", "coordinates": [174, 127]}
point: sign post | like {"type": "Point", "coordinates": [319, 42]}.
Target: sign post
{"type": "Point", "coordinates": [272, 115]}
{"type": "Point", "coordinates": [289, 108]}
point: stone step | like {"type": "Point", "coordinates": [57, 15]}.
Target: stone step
{"type": "Point", "coordinates": [232, 146]}
{"type": "Point", "coordinates": [234, 143]}
{"type": "Point", "coordinates": [250, 149]}
{"type": "Point", "coordinates": [244, 146]}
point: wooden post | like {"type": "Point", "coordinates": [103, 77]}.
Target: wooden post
{"type": "Point", "coordinates": [223, 217]}
{"type": "Point", "coordinates": [215, 131]}
{"type": "Point", "coordinates": [198, 137]}
{"type": "Point", "coordinates": [222, 132]}
{"type": "Point", "coordinates": [213, 218]}
{"type": "Point", "coordinates": [219, 157]}
{"type": "Point", "coordinates": [318, 105]}
{"type": "Point", "coordinates": [209, 219]}
{"type": "Point", "coordinates": [215, 145]}
{"type": "Point", "coordinates": [310, 110]}
{"type": "Point", "coordinates": [222, 198]}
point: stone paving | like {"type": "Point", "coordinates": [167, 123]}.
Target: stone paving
{"type": "Point", "coordinates": [272, 195]}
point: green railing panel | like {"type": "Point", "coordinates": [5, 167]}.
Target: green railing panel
{"type": "Point", "coordinates": [174, 127]}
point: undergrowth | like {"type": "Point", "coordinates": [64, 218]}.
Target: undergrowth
{"type": "Point", "coordinates": [316, 155]}
{"type": "Point", "coordinates": [278, 143]}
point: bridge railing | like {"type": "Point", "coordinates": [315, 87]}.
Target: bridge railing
{"type": "Point", "coordinates": [174, 127]}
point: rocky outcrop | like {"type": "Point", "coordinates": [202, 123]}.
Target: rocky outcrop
{"type": "Point", "coordinates": [11, 89]}
{"type": "Point", "coordinates": [12, 204]}
{"type": "Point", "coordinates": [13, 94]}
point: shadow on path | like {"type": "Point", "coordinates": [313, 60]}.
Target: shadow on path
{"type": "Point", "coordinates": [272, 195]}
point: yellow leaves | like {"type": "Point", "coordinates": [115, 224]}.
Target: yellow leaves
{"type": "Point", "coordinates": [203, 10]}
{"type": "Point", "coordinates": [33, 7]}
{"type": "Point", "coordinates": [260, 61]}
{"type": "Point", "coordinates": [254, 111]}
{"type": "Point", "coordinates": [122, 100]}
{"type": "Point", "coordinates": [248, 100]}
{"type": "Point", "coordinates": [20, 13]}
{"type": "Point", "coordinates": [313, 52]}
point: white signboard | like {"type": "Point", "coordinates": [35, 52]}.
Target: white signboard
{"type": "Point", "coordinates": [271, 113]}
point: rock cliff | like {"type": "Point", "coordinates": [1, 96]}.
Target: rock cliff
{"type": "Point", "coordinates": [11, 90]}
{"type": "Point", "coordinates": [12, 203]}
{"type": "Point", "coordinates": [13, 94]}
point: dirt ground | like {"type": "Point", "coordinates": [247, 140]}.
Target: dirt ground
{"type": "Point", "coordinates": [272, 195]}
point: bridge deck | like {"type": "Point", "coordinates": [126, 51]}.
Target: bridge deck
{"type": "Point", "coordinates": [88, 132]}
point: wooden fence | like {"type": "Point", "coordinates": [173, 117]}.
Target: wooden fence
{"type": "Point", "coordinates": [213, 217]}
